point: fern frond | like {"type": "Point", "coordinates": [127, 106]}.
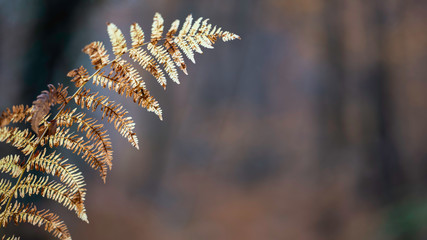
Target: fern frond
{"type": "Point", "coordinates": [129, 83]}
{"type": "Point", "coordinates": [94, 132]}
{"type": "Point", "coordinates": [114, 113]}
{"type": "Point", "coordinates": [172, 48]}
{"type": "Point", "coordinates": [18, 114]}
{"type": "Point", "coordinates": [160, 54]}
{"type": "Point", "coordinates": [137, 35]}
{"type": "Point", "coordinates": [186, 26]}
{"type": "Point", "coordinates": [48, 98]}
{"type": "Point", "coordinates": [140, 56]}
{"type": "Point", "coordinates": [21, 139]}
{"type": "Point", "coordinates": [20, 213]}
{"type": "Point", "coordinates": [90, 153]}
{"type": "Point", "coordinates": [80, 76]}
{"type": "Point", "coordinates": [10, 164]}
{"type": "Point", "coordinates": [117, 39]}
{"type": "Point", "coordinates": [10, 238]}
{"type": "Point", "coordinates": [53, 164]}
{"type": "Point", "coordinates": [184, 36]}
{"type": "Point", "coordinates": [97, 54]}
{"type": "Point", "coordinates": [157, 28]}
{"type": "Point", "coordinates": [5, 186]}
{"type": "Point", "coordinates": [183, 45]}
{"type": "Point", "coordinates": [34, 185]}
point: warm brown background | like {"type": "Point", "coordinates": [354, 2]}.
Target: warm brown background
{"type": "Point", "coordinates": [313, 126]}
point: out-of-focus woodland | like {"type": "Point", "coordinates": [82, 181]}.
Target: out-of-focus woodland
{"type": "Point", "coordinates": [313, 126]}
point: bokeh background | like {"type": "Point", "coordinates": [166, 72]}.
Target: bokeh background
{"type": "Point", "coordinates": [313, 126]}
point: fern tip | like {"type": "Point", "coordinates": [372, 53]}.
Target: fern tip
{"type": "Point", "coordinates": [83, 216]}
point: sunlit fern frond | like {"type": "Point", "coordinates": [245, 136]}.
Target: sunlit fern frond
{"type": "Point", "coordinates": [10, 238]}
{"type": "Point", "coordinates": [35, 185]}
{"type": "Point", "coordinates": [20, 213]}
{"type": "Point", "coordinates": [55, 165]}
{"type": "Point", "coordinates": [10, 164]}
{"type": "Point", "coordinates": [117, 39]}
{"type": "Point", "coordinates": [97, 54]}
{"type": "Point", "coordinates": [140, 56]}
{"type": "Point", "coordinates": [80, 76]}
{"type": "Point", "coordinates": [93, 131]}
{"type": "Point", "coordinates": [5, 187]}
{"type": "Point", "coordinates": [124, 72]}
{"type": "Point", "coordinates": [113, 112]}
{"type": "Point", "coordinates": [173, 48]}
{"type": "Point", "coordinates": [161, 55]}
{"type": "Point", "coordinates": [21, 139]}
{"type": "Point", "coordinates": [90, 153]}
{"type": "Point", "coordinates": [18, 114]}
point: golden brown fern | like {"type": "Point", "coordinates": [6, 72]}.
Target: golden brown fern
{"type": "Point", "coordinates": [160, 56]}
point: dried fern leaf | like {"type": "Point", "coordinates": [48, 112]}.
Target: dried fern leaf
{"type": "Point", "coordinates": [20, 213]}
{"type": "Point", "coordinates": [186, 35]}
{"type": "Point", "coordinates": [173, 49]}
{"type": "Point", "coordinates": [186, 26]}
{"type": "Point", "coordinates": [97, 54]}
{"type": "Point", "coordinates": [10, 164]}
{"type": "Point", "coordinates": [159, 52]}
{"type": "Point", "coordinates": [53, 164]}
{"type": "Point", "coordinates": [48, 98]}
{"type": "Point", "coordinates": [80, 76]}
{"type": "Point", "coordinates": [23, 140]}
{"type": "Point", "coordinates": [114, 112]}
{"type": "Point", "coordinates": [149, 64]}
{"type": "Point", "coordinates": [90, 153]}
{"type": "Point", "coordinates": [10, 238]}
{"type": "Point", "coordinates": [193, 44]}
{"type": "Point", "coordinates": [157, 28]}
{"type": "Point", "coordinates": [94, 132]}
{"type": "Point", "coordinates": [117, 39]}
{"type": "Point", "coordinates": [186, 49]}
{"type": "Point", "coordinates": [194, 35]}
{"type": "Point", "coordinates": [201, 37]}
{"type": "Point", "coordinates": [180, 39]}
{"type": "Point", "coordinates": [137, 35]}
{"type": "Point", "coordinates": [129, 83]}
{"type": "Point", "coordinates": [5, 187]}
{"type": "Point", "coordinates": [18, 114]}
{"type": "Point", "coordinates": [161, 55]}
{"type": "Point", "coordinates": [34, 185]}
{"type": "Point", "coordinates": [228, 36]}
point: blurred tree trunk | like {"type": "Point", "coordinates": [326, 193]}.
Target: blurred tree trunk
{"type": "Point", "coordinates": [330, 102]}
{"type": "Point", "coordinates": [386, 180]}
{"type": "Point", "coordinates": [45, 53]}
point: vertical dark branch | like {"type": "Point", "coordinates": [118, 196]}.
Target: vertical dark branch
{"type": "Point", "coordinates": [387, 178]}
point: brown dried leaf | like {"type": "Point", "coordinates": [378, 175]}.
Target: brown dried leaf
{"type": "Point", "coordinates": [41, 106]}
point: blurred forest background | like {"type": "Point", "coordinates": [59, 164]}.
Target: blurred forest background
{"type": "Point", "coordinates": [313, 126]}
